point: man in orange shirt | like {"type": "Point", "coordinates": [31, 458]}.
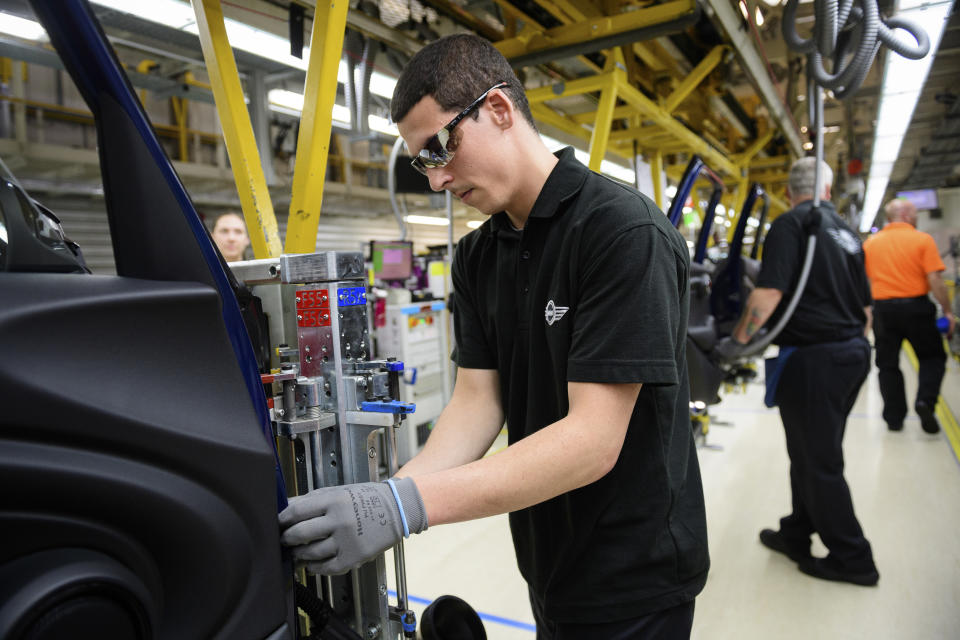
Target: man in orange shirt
{"type": "Point", "coordinates": [903, 265]}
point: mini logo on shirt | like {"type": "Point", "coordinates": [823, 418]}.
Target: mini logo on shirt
{"type": "Point", "coordinates": [846, 240]}
{"type": "Point", "coordinates": [553, 313]}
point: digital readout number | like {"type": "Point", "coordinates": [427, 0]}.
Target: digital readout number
{"type": "Point", "coordinates": [352, 296]}
{"type": "Point", "coordinates": [313, 308]}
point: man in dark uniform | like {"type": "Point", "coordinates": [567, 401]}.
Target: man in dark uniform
{"type": "Point", "coordinates": [571, 325]}
{"type": "Point", "coordinates": [827, 358]}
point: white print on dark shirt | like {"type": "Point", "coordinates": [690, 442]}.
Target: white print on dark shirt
{"type": "Point", "coordinates": [846, 240]}
{"type": "Point", "coordinates": [553, 313]}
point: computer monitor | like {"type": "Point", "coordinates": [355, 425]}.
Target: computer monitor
{"type": "Point", "coordinates": [922, 199]}
{"type": "Point", "coordinates": [392, 260]}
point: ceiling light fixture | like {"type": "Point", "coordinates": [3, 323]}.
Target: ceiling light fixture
{"type": "Point", "coordinates": [180, 16]}
{"type": "Point", "coordinates": [432, 220]}
{"type": "Point", "coordinates": [903, 80]}
{"type": "Point", "coordinates": [21, 28]}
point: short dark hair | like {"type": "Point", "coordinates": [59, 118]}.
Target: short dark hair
{"type": "Point", "coordinates": [454, 71]}
{"type": "Point", "coordinates": [228, 213]}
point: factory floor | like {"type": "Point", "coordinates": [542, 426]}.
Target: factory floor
{"type": "Point", "coordinates": [906, 493]}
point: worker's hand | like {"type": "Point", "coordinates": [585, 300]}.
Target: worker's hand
{"type": "Point", "coordinates": [728, 350]}
{"type": "Point", "coordinates": [952, 326]}
{"type": "Point", "coordinates": [335, 529]}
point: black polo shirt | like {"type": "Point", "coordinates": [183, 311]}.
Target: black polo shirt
{"type": "Point", "coordinates": [594, 289]}
{"type": "Point", "coordinates": [831, 307]}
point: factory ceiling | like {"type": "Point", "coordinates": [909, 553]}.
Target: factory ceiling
{"type": "Point", "coordinates": [713, 68]}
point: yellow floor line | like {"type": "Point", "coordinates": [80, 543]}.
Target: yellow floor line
{"type": "Point", "coordinates": [947, 420]}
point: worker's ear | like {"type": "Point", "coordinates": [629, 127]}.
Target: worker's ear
{"type": "Point", "coordinates": [826, 192]}
{"type": "Point", "coordinates": [500, 109]}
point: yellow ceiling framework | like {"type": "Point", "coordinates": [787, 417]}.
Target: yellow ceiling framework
{"type": "Point", "coordinates": [624, 119]}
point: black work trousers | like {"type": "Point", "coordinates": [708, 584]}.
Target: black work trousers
{"type": "Point", "coordinates": [674, 623]}
{"type": "Point", "coordinates": [817, 389]}
{"type": "Point", "coordinates": [915, 320]}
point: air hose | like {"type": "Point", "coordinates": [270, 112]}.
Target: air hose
{"type": "Point", "coordinates": [840, 27]}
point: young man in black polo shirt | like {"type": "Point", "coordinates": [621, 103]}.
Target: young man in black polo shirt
{"type": "Point", "coordinates": [571, 318]}
{"type": "Point", "coordinates": [827, 360]}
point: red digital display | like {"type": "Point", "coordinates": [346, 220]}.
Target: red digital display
{"type": "Point", "coordinates": [313, 308]}
{"type": "Point", "coordinates": [313, 317]}
{"type": "Point", "coordinates": [312, 299]}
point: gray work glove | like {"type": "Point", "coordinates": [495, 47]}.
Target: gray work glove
{"type": "Point", "coordinates": [335, 529]}
{"type": "Point", "coordinates": [728, 350]}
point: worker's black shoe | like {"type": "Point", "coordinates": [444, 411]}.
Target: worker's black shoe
{"type": "Point", "coordinates": [827, 569]}
{"type": "Point", "coordinates": [775, 540]}
{"type": "Point", "coordinates": [895, 426]}
{"type": "Point", "coordinates": [927, 418]}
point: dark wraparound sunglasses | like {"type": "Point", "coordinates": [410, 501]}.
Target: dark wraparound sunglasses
{"type": "Point", "coordinates": [435, 152]}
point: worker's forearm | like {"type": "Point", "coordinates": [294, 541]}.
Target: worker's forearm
{"type": "Point", "coordinates": [543, 465]}
{"type": "Point", "coordinates": [760, 306]}
{"type": "Point", "coordinates": [868, 312]}
{"type": "Point", "coordinates": [939, 289]}
{"type": "Point", "coordinates": [463, 433]}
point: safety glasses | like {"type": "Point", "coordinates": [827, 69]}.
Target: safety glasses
{"type": "Point", "coordinates": [435, 152]}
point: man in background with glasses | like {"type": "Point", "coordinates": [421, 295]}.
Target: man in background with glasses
{"type": "Point", "coordinates": [571, 326]}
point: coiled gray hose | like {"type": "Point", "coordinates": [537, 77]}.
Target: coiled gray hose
{"type": "Point", "coordinates": [843, 26]}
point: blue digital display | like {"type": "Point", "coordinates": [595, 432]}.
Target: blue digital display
{"type": "Point", "coordinates": [352, 296]}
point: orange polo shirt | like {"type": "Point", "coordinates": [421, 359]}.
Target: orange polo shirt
{"type": "Point", "coordinates": [898, 259]}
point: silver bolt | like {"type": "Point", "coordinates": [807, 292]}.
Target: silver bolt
{"type": "Point", "coordinates": [383, 589]}
{"type": "Point", "coordinates": [373, 631]}
{"type": "Point", "coordinates": [307, 348]}
{"type": "Point", "coordinates": [372, 452]}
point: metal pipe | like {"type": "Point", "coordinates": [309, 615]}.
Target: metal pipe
{"type": "Point", "coordinates": [392, 187]}
{"type": "Point", "coordinates": [399, 561]}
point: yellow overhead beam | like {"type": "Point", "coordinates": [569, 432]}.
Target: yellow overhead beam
{"type": "Point", "coordinates": [639, 133]}
{"type": "Point", "coordinates": [716, 159]}
{"type": "Point", "coordinates": [529, 23]}
{"type": "Point", "coordinates": [562, 10]}
{"type": "Point", "coordinates": [589, 117]}
{"type": "Point", "coordinates": [695, 77]}
{"type": "Point", "coordinates": [774, 162]}
{"type": "Point", "coordinates": [584, 30]}
{"type": "Point", "coordinates": [313, 143]}
{"type": "Point", "coordinates": [543, 113]}
{"type": "Point", "coordinates": [656, 172]}
{"type": "Point", "coordinates": [237, 130]}
{"type": "Point", "coordinates": [576, 87]}
{"type": "Point", "coordinates": [616, 74]}
{"type": "Point", "coordinates": [771, 177]}
{"type": "Point", "coordinates": [643, 52]}
{"type": "Point", "coordinates": [776, 204]}
{"type": "Point", "coordinates": [744, 159]}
